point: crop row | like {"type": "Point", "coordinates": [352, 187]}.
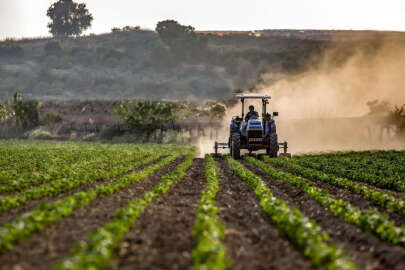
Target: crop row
{"type": "Point", "coordinates": [382, 199]}
{"type": "Point", "coordinates": [388, 165]}
{"type": "Point", "coordinates": [51, 212]}
{"type": "Point", "coordinates": [85, 176]}
{"type": "Point", "coordinates": [370, 220]}
{"type": "Point", "coordinates": [366, 171]}
{"type": "Point", "coordinates": [23, 157]}
{"type": "Point", "coordinates": [65, 170]}
{"type": "Point", "coordinates": [44, 164]}
{"type": "Point", "coordinates": [210, 252]}
{"type": "Point", "coordinates": [304, 233]}
{"type": "Point", "coordinates": [98, 251]}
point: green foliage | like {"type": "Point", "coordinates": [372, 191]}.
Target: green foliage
{"type": "Point", "coordinates": [369, 221]}
{"type": "Point", "coordinates": [26, 111]}
{"type": "Point", "coordinates": [382, 199]}
{"type": "Point", "coordinates": [69, 179]}
{"type": "Point", "coordinates": [146, 115]}
{"type": "Point", "coordinates": [68, 18]}
{"type": "Point", "coordinates": [304, 233]}
{"type": "Point", "coordinates": [51, 212]}
{"type": "Point", "coordinates": [5, 112]}
{"type": "Point", "coordinates": [97, 253]}
{"type": "Point", "coordinates": [52, 117]}
{"type": "Point", "coordinates": [181, 39]}
{"type": "Point", "coordinates": [210, 252]}
{"type": "Point", "coordinates": [363, 167]}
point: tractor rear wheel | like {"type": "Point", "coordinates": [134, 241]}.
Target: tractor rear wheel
{"type": "Point", "coordinates": [235, 146]}
{"type": "Point", "coordinates": [273, 145]}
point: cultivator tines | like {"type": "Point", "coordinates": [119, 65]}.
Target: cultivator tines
{"type": "Point", "coordinates": [284, 145]}
{"type": "Point", "coordinates": [220, 145]}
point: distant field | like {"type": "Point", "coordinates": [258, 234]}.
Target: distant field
{"type": "Point", "coordinates": [80, 205]}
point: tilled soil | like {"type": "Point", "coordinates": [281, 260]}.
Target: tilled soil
{"type": "Point", "coordinates": [55, 243]}
{"type": "Point", "coordinates": [355, 199]}
{"type": "Point", "coordinates": [364, 248]}
{"type": "Point", "coordinates": [399, 195]}
{"type": "Point", "coordinates": [251, 240]}
{"type": "Point", "coordinates": [162, 237]}
{"type": "Point", "coordinates": [30, 205]}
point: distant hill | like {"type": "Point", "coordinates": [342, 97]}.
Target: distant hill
{"type": "Point", "coordinates": [137, 64]}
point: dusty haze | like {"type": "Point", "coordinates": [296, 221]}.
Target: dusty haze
{"type": "Point", "coordinates": [325, 107]}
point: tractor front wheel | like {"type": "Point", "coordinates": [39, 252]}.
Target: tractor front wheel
{"type": "Point", "coordinates": [235, 146]}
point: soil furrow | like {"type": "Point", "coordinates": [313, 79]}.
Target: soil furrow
{"type": "Point", "coordinates": [15, 212]}
{"type": "Point", "coordinates": [251, 240]}
{"type": "Point", "coordinates": [162, 237]}
{"type": "Point", "coordinates": [364, 248]}
{"type": "Point", "coordinates": [55, 243]}
{"type": "Point", "coordinates": [397, 194]}
{"type": "Point", "coordinates": [354, 199]}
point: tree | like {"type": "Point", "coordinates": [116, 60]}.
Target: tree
{"type": "Point", "coordinates": [172, 33]}
{"type": "Point", "coordinates": [26, 112]}
{"type": "Point", "coordinates": [181, 39]}
{"type": "Point", "coordinates": [68, 18]}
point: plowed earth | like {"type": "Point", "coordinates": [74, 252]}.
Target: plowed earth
{"type": "Point", "coordinates": [161, 238]}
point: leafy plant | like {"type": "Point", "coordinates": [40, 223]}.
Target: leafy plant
{"type": "Point", "coordinates": [26, 111]}
{"type": "Point", "coordinates": [371, 220]}
{"type": "Point", "coordinates": [146, 115]}
{"type": "Point", "coordinates": [385, 200]}
{"type": "Point", "coordinates": [5, 112]}
{"type": "Point", "coordinates": [52, 117]}
{"type": "Point", "coordinates": [52, 212]}
{"type": "Point", "coordinates": [97, 253]}
{"type": "Point", "coordinates": [304, 233]}
{"type": "Point", "coordinates": [210, 252]}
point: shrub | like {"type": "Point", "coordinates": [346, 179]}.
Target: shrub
{"type": "Point", "coordinates": [52, 117]}
{"type": "Point", "coordinates": [26, 112]}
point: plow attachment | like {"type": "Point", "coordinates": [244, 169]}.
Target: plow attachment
{"type": "Point", "coordinates": [283, 145]}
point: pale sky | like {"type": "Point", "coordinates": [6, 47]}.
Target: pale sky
{"type": "Point", "coordinates": [27, 18]}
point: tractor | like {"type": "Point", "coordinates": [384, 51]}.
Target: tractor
{"type": "Point", "coordinates": [254, 133]}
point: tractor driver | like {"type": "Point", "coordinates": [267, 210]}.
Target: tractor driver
{"type": "Point", "coordinates": [251, 113]}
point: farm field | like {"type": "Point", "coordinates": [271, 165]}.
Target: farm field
{"type": "Point", "coordinates": [85, 205]}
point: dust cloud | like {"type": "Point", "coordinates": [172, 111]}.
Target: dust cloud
{"type": "Point", "coordinates": [325, 107]}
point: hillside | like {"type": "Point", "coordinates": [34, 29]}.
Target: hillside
{"type": "Point", "coordinates": [136, 64]}
{"type": "Point", "coordinates": [133, 63]}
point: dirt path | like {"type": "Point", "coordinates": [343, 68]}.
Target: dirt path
{"type": "Point", "coordinates": [162, 237]}
{"type": "Point", "coordinates": [43, 250]}
{"type": "Point", "coordinates": [363, 248]}
{"type": "Point", "coordinates": [252, 242]}
{"type": "Point", "coordinates": [30, 205]}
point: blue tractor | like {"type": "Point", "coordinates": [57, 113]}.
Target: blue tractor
{"type": "Point", "coordinates": [253, 133]}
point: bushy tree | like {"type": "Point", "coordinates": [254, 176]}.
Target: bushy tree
{"type": "Point", "coordinates": [146, 115]}
{"type": "Point", "coordinates": [26, 112]}
{"type": "Point", "coordinates": [68, 18]}
{"type": "Point", "coordinates": [181, 39]}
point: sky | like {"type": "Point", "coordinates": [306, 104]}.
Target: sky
{"type": "Point", "coordinates": [27, 18]}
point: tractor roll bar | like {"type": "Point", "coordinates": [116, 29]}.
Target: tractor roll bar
{"type": "Point", "coordinates": [263, 98]}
